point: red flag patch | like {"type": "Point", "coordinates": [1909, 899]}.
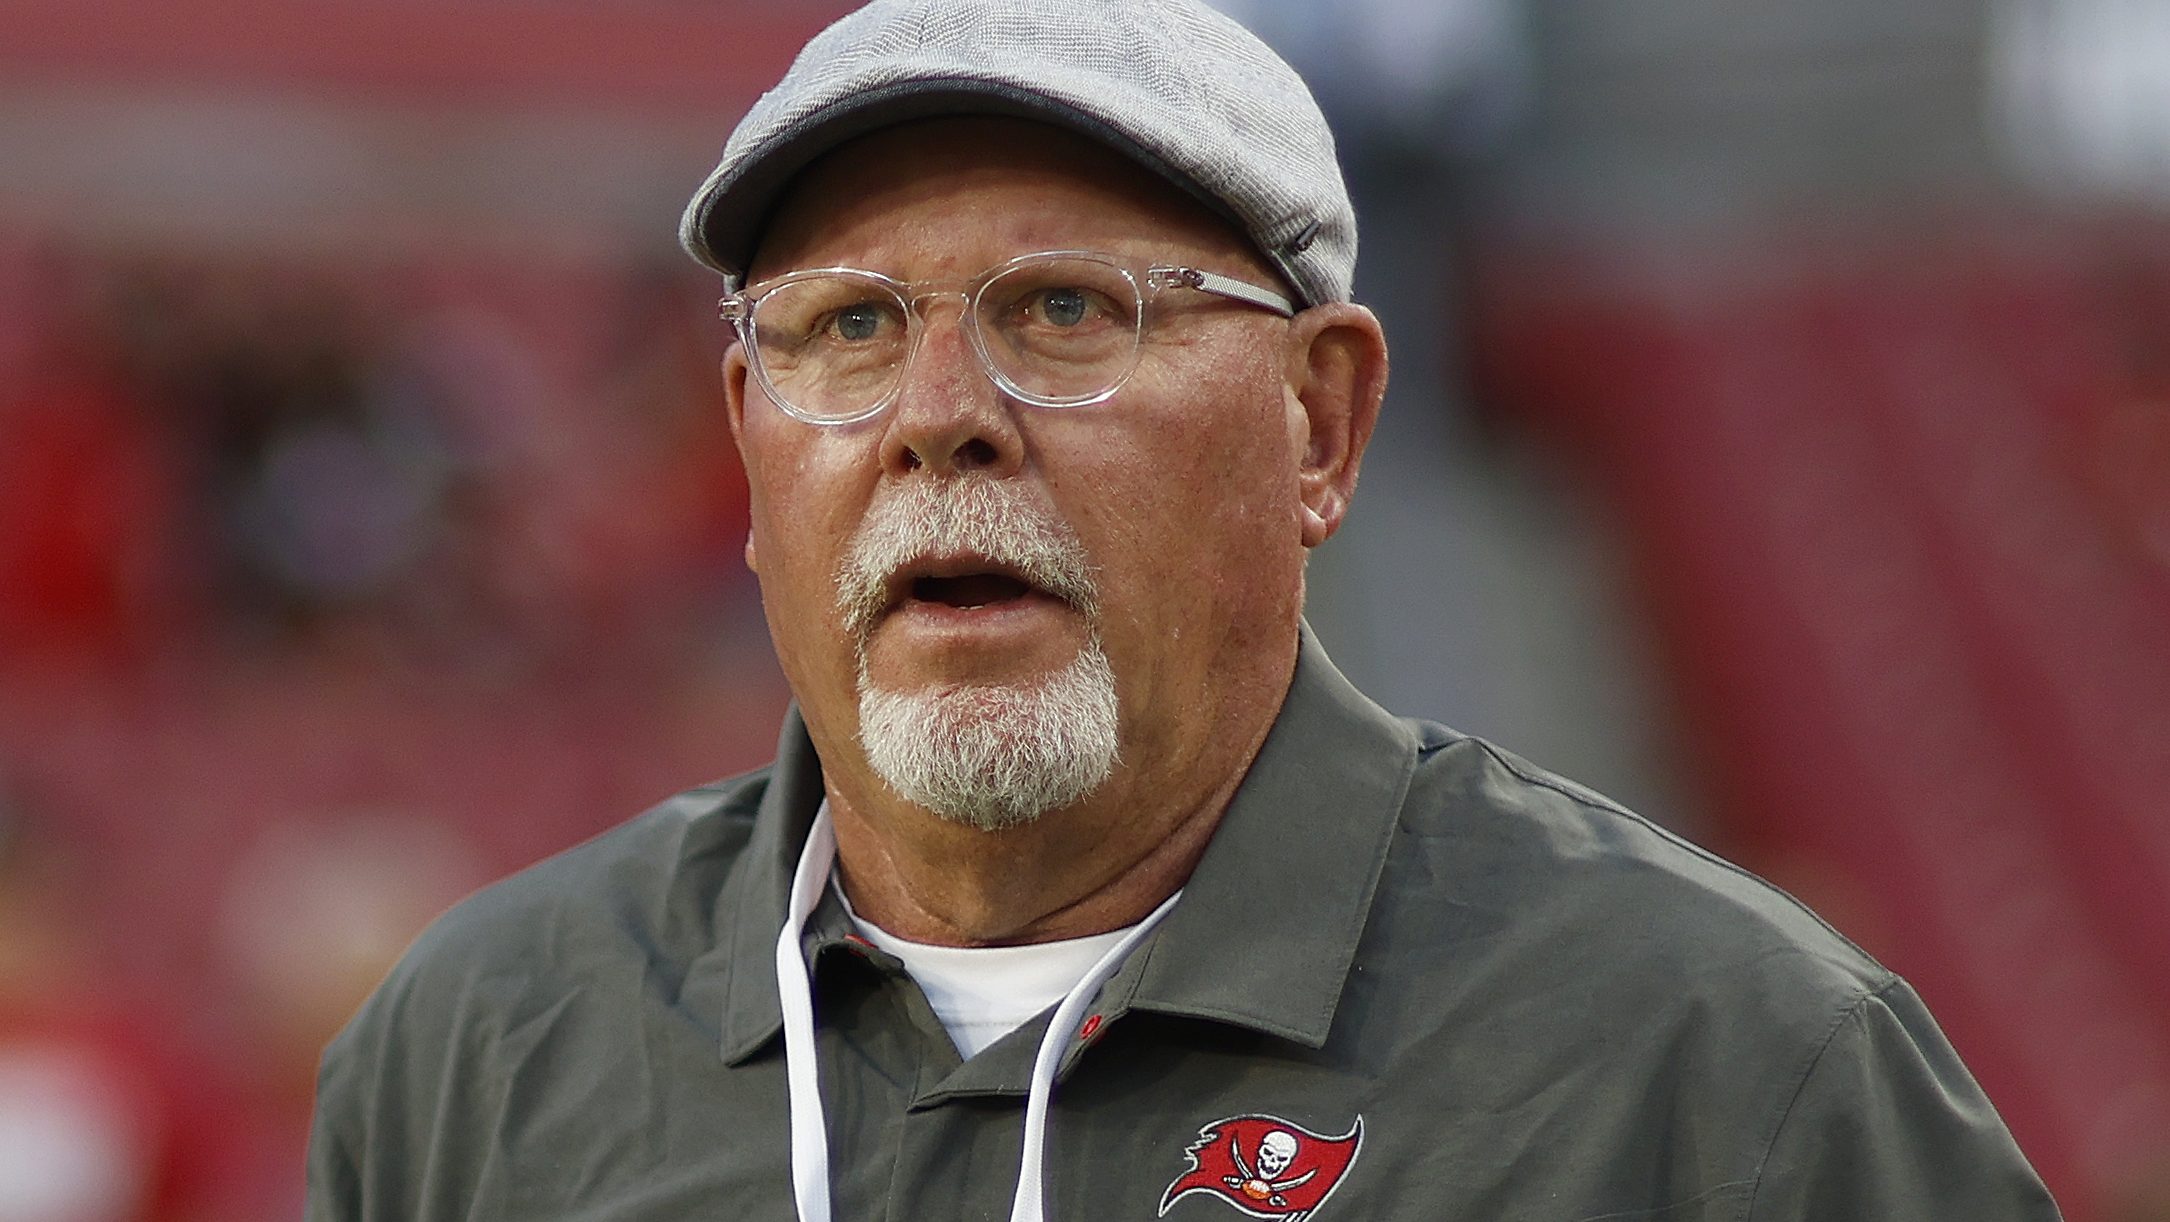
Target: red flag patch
{"type": "Point", "coordinates": [1265, 1166]}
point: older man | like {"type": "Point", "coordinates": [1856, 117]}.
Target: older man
{"type": "Point", "coordinates": [1082, 885]}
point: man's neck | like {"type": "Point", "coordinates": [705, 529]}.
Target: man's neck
{"type": "Point", "coordinates": [1067, 874]}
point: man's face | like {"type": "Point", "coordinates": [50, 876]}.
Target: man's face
{"type": "Point", "coordinates": [1176, 500]}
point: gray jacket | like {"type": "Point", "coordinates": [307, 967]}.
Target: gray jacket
{"type": "Point", "coordinates": [1460, 988]}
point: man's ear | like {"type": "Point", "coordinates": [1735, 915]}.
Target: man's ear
{"type": "Point", "coordinates": [735, 372]}
{"type": "Point", "coordinates": [1336, 379]}
{"type": "Point", "coordinates": [734, 411]}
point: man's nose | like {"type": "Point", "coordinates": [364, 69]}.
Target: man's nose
{"type": "Point", "coordinates": [950, 417]}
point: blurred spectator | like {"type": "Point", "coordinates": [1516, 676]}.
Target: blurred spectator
{"type": "Point", "coordinates": [79, 1130]}
{"type": "Point", "coordinates": [87, 494]}
{"type": "Point", "coordinates": [324, 480]}
{"type": "Point", "coordinates": [99, 1121]}
{"type": "Point", "coordinates": [317, 910]}
{"type": "Point", "coordinates": [314, 913]}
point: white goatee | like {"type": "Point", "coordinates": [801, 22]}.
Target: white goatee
{"type": "Point", "coordinates": [993, 755]}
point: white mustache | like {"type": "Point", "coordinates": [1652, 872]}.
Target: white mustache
{"type": "Point", "coordinates": [992, 518]}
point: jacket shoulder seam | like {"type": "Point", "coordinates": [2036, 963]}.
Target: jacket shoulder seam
{"type": "Point", "coordinates": [1800, 1088]}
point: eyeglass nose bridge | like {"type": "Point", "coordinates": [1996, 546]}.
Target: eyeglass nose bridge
{"type": "Point", "coordinates": [916, 301]}
{"type": "Point", "coordinates": [916, 296]}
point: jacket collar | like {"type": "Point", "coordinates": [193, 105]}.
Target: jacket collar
{"type": "Point", "coordinates": [1269, 921]}
{"type": "Point", "coordinates": [750, 908]}
{"type": "Point", "coordinates": [1271, 917]}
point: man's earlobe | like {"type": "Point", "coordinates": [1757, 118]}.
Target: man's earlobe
{"type": "Point", "coordinates": [752, 564]}
{"type": "Point", "coordinates": [1337, 379]}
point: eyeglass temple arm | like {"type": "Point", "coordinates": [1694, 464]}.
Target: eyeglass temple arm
{"type": "Point", "coordinates": [1224, 286]}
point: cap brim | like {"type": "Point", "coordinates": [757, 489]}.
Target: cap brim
{"type": "Point", "coordinates": [726, 221]}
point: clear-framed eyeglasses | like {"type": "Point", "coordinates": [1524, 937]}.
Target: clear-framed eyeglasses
{"type": "Point", "coordinates": [1059, 328]}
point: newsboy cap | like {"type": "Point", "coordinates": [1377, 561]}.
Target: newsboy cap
{"type": "Point", "coordinates": [1171, 84]}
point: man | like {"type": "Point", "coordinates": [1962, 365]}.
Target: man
{"type": "Point", "coordinates": [1082, 885]}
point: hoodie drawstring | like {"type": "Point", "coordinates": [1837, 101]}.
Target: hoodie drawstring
{"type": "Point", "coordinates": [794, 989]}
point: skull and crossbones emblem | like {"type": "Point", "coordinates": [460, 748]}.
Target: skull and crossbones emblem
{"type": "Point", "coordinates": [1276, 1150]}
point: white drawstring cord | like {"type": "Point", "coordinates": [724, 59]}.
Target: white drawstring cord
{"type": "Point", "coordinates": [1028, 1205]}
{"type": "Point", "coordinates": [794, 993]}
{"type": "Point", "coordinates": [794, 989]}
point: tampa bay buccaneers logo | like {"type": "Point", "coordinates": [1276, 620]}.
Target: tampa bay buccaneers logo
{"type": "Point", "coordinates": [1265, 1166]}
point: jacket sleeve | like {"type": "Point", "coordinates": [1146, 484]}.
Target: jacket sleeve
{"type": "Point", "coordinates": [389, 1141]}
{"type": "Point", "coordinates": [335, 1193]}
{"type": "Point", "coordinates": [1888, 1124]}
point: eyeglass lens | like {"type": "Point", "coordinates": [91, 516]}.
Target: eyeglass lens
{"type": "Point", "coordinates": [1055, 331]}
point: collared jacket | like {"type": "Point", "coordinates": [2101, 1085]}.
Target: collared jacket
{"type": "Point", "coordinates": [1462, 989]}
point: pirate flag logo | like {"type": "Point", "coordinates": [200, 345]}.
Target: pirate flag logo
{"type": "Point", "coordinates": [1265, 1166]}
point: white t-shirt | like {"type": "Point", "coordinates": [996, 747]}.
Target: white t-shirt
{"type": "Point", "coordinates": [982, 993]}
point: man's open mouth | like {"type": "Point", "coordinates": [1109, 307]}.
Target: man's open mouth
{"type": "Point", "coordinates": [966, 582]}
{"type": "Point", "coordinates": [969, 590]}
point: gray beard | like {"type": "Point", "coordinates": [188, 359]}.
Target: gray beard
{"type": "Point", "coordinates": [989, 756]}
{"type": "Point", "coordinates": [996, 756]}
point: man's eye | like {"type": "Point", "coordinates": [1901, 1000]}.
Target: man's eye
{"type": "Point", "coordinates": [857, 323]}
{"type": "Point", "coordinates": [1063, 307]}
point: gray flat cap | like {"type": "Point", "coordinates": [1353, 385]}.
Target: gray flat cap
{"type": "Point", "coordinates": [1170, 83]}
